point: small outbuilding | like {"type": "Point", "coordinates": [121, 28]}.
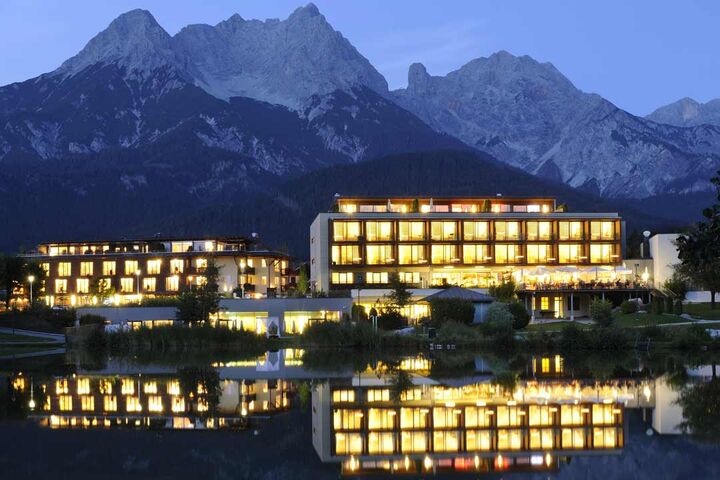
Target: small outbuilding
{"type": "Point", "coordinates": [480, 300]}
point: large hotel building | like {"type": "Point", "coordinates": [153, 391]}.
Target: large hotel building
{"type": "Point", "coordinates": [87, 273]}
{"type": "Point", "coordinates": [472, 242]}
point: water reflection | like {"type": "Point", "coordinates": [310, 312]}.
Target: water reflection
{"type": "Point", "coordinates": [395, 415]}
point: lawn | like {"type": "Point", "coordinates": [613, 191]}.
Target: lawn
{"type": "Point", "coordinates": [643, 319]}
{"type": "Point", "coordinates": [702, 310]}
{"type": "Point", "coordinates": [9, 337]}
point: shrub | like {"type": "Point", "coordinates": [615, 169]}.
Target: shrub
{"type": "Point", "coordinates": [498, 318]}
{"type": "Point", "coordinates": [678, 307]}
{"type": "Point", "coordinates": [90, 319]}
{"type": "Point", "coordinates": [612, 338]}
{"type": "Point", "coordinates": [629, 306]}
{"type": "Point", "coordinates": [657, 306]}
{"type": "Point", "coordinates": [521, 317]}
{"type": "Point", "coordinates": [601, 312]}
{"type": "Point", "coordinates": [572, 338]}
{"type": "Point", "coordinates": [454, 332]}
{"type": "Point", "coordinates": [341, 334]}
{"type": "Point", "coordinates": [451, 310]}
{"type": "Point", "coordinates": [391, 320]}
{"type": "Point", "coordinates": [669, 304]}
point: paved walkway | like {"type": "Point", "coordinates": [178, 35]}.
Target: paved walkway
{"type": "Point", "coordinates": [55, 337]}
{"type": "Point", "coordinates": [39, 353]}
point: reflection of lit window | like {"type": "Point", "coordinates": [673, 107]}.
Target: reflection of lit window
{"type": "Point", "coordinates": [541, 438]}
{"type": "Point", "coordinates": [348, 443]}
{"type": "Point", "coordinates": [150, 387]}
{"type": "Point", "coordinates": [604, 437]}
{"type": "Point", "coordinates": [110, 403]}
{"type": "Point", "coordinates": [65, 403]}
{"type": "Point", "coordinates": [413, 442]}
{"type": "Point", "coordinates": [477, 440]}
{"type": "Point", "coordinates": [155, 403]}
{"type": "Point", "coordinates": [173, 387]}
{"type": "Point", "coordinates": [87, 403]}
{"type": "Point", "coordinates": [509, 439]}
{"type": "Point", "coordinates": [132, 404]}
{"type": "Point", "coordinates": [573, 438]}
{"type": "Point", "coordinates": [83, 386]}
{"type": "Point", "coordinates": [445, 441]}
{"type": "Point", "coordinates": [127, 386]}
{"type": "Point", "coordinates": [178, 404]}
{"type": "Point", "coordinates": [381, 442]}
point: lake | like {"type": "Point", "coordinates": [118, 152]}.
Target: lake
{"type": "Point", "coordinates": [294, 414]}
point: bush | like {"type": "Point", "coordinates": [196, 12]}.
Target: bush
{"type": "Point", "coordinates": [391, 320]}
{"type": "Point", "coordinates": [521, 317]}
{"type": "Point", "coordinates": [601, 312]}
{"type": "Point", "coordinates": [572, 338]}
{"type": "Point", "coordinates": [341, 334]}
{"type": "Point", "coordinates": [498, 319]}
{"type": "Point", "coordinates": [629, 306]}
{"type": "Point", "coordinates": [444, 310]}
{"type": "Point", "coordinates": [678, 307]}
{"type": "Point", "coordinates": [505, 292]}
{"type": "Point", "coordinates": [669, 304]}
{"type": "Point", "coordinates": [454, 332]}
{"type": "Point", "coordinates": [657, 306]}
{"type": "Point", "coordinates": [90, 319]}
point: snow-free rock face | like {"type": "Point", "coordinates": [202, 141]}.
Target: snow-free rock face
{"type": "Point", "coordinates": [687, 112]}
{"type": "Point", "coordinates": [282, 62]}
{"type": "Point", "coordinates": [528, 114]}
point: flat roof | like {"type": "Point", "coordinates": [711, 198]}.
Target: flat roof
{"type": "Point", "coordinates": [442, 198]}
{"type": "Point", "coordinates": [226, 239]}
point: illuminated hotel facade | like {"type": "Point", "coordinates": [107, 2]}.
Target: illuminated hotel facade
{"type": "Point", "coordinates": [470, 242]}
{"type": "Point", "coordinates": [125, 271]}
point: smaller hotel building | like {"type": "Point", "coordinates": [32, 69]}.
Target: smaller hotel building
{"type": "Point", "coordinates": [123, 271]}
{"type": "Point", "coordinates": [473, 242]}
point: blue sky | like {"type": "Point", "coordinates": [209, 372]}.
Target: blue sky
{"type": "Point", "coordinates": [639, 54]}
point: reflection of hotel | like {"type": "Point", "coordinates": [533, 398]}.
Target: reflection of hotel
{"type": "Point", "coordinates": [86, 273]}
{"type": "Point", "coordinates": [559, 259]}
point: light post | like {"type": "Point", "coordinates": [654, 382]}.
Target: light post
{"type": "Point", "coordinates": [31, 280]}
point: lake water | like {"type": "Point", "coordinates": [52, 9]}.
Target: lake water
{"type": "Point", "coordinates": [294, 414]}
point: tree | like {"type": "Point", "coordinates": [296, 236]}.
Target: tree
{"type": "Point", "coordinates": [12, 276]}
{"type": "Point", "coordinates": [303, 284]}
{"type": "Point", "coordinates": [505, 292]}
{"type": "Point", "coordinates": [699, 402]}
{"type": "Point", "coordinates": [699, 249]}
{"type": "Point", "coordinates": [444, 310]}
{"type": "Point", "coordinates": [198, 302]}
{"type": "Point", "coordinates": [521, 317]}
{"type": "Point", "coordinates": [102, 289]}
{"type": "Point", "coordinates": [399, 296]}
{"type": "Point", "coordinates": [675, 287]}
{"type": "Point", "coordinates": [485, 208]}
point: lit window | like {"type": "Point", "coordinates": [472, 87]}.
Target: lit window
{"type": "Point", "coordinates": [87, 403]}
{"type": "Point", "coordinates": [570, 230]}
{"type": "Point", "coordinates": [381, 419]}
{"type": "Point", "coordinates": [379, 254]}
{"type": "Point", "coordinates": [533, 208]}
{"type": "Point", "coordinates": [473, 231]}
{"type": "Point", "coordinates": [475, 253]}
{"type": "Point", "coordinates": [127, 386]}
{"type": "Point", "coordinates": [376, 277]}
{"type": "Point", "coordinates": [601, 253]}
{"type": "Point", "coordinates": [173, 387]}
{"type": "Point", "coordinates": [343, 396]}
{"type": "Point", "coordinates": [61, 286]}
{"type": "Point", "coordinates": [477, 440]}
{"type": "Point", "coordinates": [155, 403]}
{"type": "Point", "coordinates": [346, 254]}
{"type": "Point", "coordinates": [86, 269]}
{"type": "Point", "coordinates": [148, 284]}
{"type": "Point", "coordinates": [411, 231]}
{"type": "Point", "coordinates": [541, 438]}
{"type": "Point", "coordinates": [110, 403]}
{"type": "Point", "coordinates": [381, 442]}
{"type": "Point", "coordinates": [153, 267]}
{"type": "Point", "coordinates": [602, 230]}
{"type": "Point", "coordinates": [108, 268]}
{"type": "Point", "coordinates": [443, 230]}
{"type": "Point", "coordinates": [344, 419]}
{"type": "Point", "coordinates": [378, 395]}
{"type": "Point", "coordinates": [172, 284]}
{"type": "Point", "coordinates": [178, 404]}
{"type": "Point", "coordinates": [201, 263]}
{"type": "Point", "coordinates": [177, 265]}
{"type": "Point", "coordinates": [348, 208]}
{"type": "Point", "coordinates": [413, 442]}
{"type": "Point", "coordinates": [45, 268]}
{"type": "Point", "coordinates": [539, 253]}
{"type": "Point", "coordinates": [83, 285]}
{"type": "Point", "coordinates": [506, 253]}
{"type": "Point", "coordinates": [131, 266]}
{"type": "Point", "coordinates": [411, 254]}
{"type": "Point", "coordinates": [443, 254]}
{"type": "Point", "coordinates": [381, 231]}
{"type": "Point", "coordinates": [65, 403]}
{"type": "Point", "coordinates": [446, 441]}
{"type": "Point", "coordinates": [409, 277]}
{"type": "Point", "coordinates": [342, 278]}
{"type": "Point", "coordinates": [346, 231]}
{"type": "Point", "coordinates": [569, 253]}
{"type": "Point", "coordinates": [132, 404]}
{"type": "Point", "coordinates": [83, 386]}
{"type": "Point", "coordinates": [126, 285]}
{"type": "Point", "coordinates": [64, 269]}
{"type": "Point", "coordinates": [538, 231]}
{"type": "Point", "coordinates": [507, 230]}
{"type": "Point", "coordinates": [348, 443]}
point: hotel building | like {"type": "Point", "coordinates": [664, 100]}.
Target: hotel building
{"type": "Point", "coordinates": [553, 255]}
{"type": "Point", "coordinates": [118, 272]}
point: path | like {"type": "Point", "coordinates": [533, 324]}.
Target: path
{"type": "Point", "coordinates": [53, 337]}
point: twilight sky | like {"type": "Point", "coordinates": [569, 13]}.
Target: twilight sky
{"type": "Point", "coordinates": [639, 54]}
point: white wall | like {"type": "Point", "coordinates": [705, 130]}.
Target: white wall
{"type": "Point", "coordinates": [319, 253]}
{"type": "Point", "coordinates": [664, 254]}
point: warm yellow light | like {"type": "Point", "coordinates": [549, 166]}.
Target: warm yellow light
{"type": "Point", "coordinates": [31, 278]}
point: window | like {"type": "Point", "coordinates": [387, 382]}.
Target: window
{"type": "Point", "coordinates": [65, 403]}
{"type": "Point", "coordinates": [45, 268]}
{"type": "Point", "coordinates": [345, 419]}
{"type": "Point", "coordinates": [109, 403]}
{"type": "Point", "coordinates": [409, 277]}
{"type": "Point", "coordinates": [378, 395]}
{"type": "Point", "coordinates": [473, 231]}
{"type": "Point", "coordinates": [604, 437]}
{"type": "Point", "coordinates": [87, 403]}
{"type": "Point", "coordinates": [181, 246]}
{"type": "Point", "coordinates": [411, 254]}
{"type": "Point", "coordinates": [131, 266]}
{"type": "Point", "coordinates": [376, 277]}
{"type": "Point", "coordinates": [346, 254]}
{"type": "Point", "coordinates": [348, 208]}
{"type": "Point", "coordinates": [541, 438]}
{"type": "Point", "coordinates": [500, 208]}
{"type": "Point", "coordinates": [601, 253]}
{"type": "Point", "coordinates": [155, 403]}
{"type": "Point", "coordinates": [446, 417]}
{"type": "Point", "coordinates": [509, 439]}
{"type": "Point", "coordinates": [411, 231]}
{"type": "Point", "coordinates": [172, 284]}
{"type": "Point", "coordinates": [108, 268]}
{"type": "Point", "coordinates": [507, 230]}
{"type": "Point", "coordinates": [132, 404]}
{"type": "Point", "coordinates": [346, 231]}
{"type": "Point", "coordinates": [570, 253]}
{"type": "Point", "coordinates": [506, 253]}
{"type": "Point", "coordinates": [126, 285]}
{"type": "Point", "coordinates": [381, 419]}
{"type": "Point", "coordinates": [475, 253]}
{"type": "Point", "coordinates": [379, 254]}
{"type": "Point", "coordinates": [570, 230]}
{"type": "Point", "coordinates": [477, 416]}
{"type": "Point", "coordinates": [446, 441]}
{"type": "Point", "coordinates": [602, 230]}
{"type": "Point", "coordinates": [177, 265]}
{"type": "Point", "coordinates": [343, 396]}
{"type": "Point", "coordinates": [443, 230]}
{"type": "Point", "coordinates": [573, 437]}
{"type": "Point", "coordinates": [413, 442]}
{"type": "Point", "coordinates": [61, 286]}
{"type": "Point", "coordinates": [539, 231]}
{"type": "Point", "coordinates": [533, 208]}
{"type": "Point", "coordinates": [378, 231]}
{"type": "Point", "coordinates": [539, 253]}
{"type": "Point", "coordinates": [83, 285]}
{"type": "Point", "coordinates": [477, 440]}
{"type": "Point", "coordinates": [149, 284]}
{"type": "Point", "coordinates": [539, 415]}
{"type": "Point", "coordinates": [86, 269]}
{"type": "Point", "coordinates": [508, 416]}
{"type": "Point", "coordinates": [602, 414]}
{"type": "Point", "coordinates": [153, 267]}
{"type": "Point", "coordinates": [348, 443]}
{"type": "Point", "coordinates": [342, 278]}
{"type": "Point", "coordinates": [443, 254]}
{"type": "Point", "coordinates": [571, 415]}
{"type": "Point", "coordinates": [413, 418]}
{"type": "Point", "coordinates": [64, 269]}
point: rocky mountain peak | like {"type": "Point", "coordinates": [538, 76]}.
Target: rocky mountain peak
{"type": "Point", "coordinates": [308, 11]}
{"type": "Point", "coordinates": [688, 112]}
{"type": "Point", "coordinates": [133, 40]}
{"type": "Point", "coordinates": [418, 79]}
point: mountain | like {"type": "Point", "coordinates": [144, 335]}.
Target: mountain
{"type": "Point", "coordinates": [686, 112]}
{"type": "Point", "coordinates": [529, 115]}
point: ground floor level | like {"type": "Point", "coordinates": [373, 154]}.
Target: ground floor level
{"type": "Point", "coordinates": [573, 304]}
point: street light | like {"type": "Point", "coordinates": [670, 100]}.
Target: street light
{"type": "Point", "coordinates": [31, 279]}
